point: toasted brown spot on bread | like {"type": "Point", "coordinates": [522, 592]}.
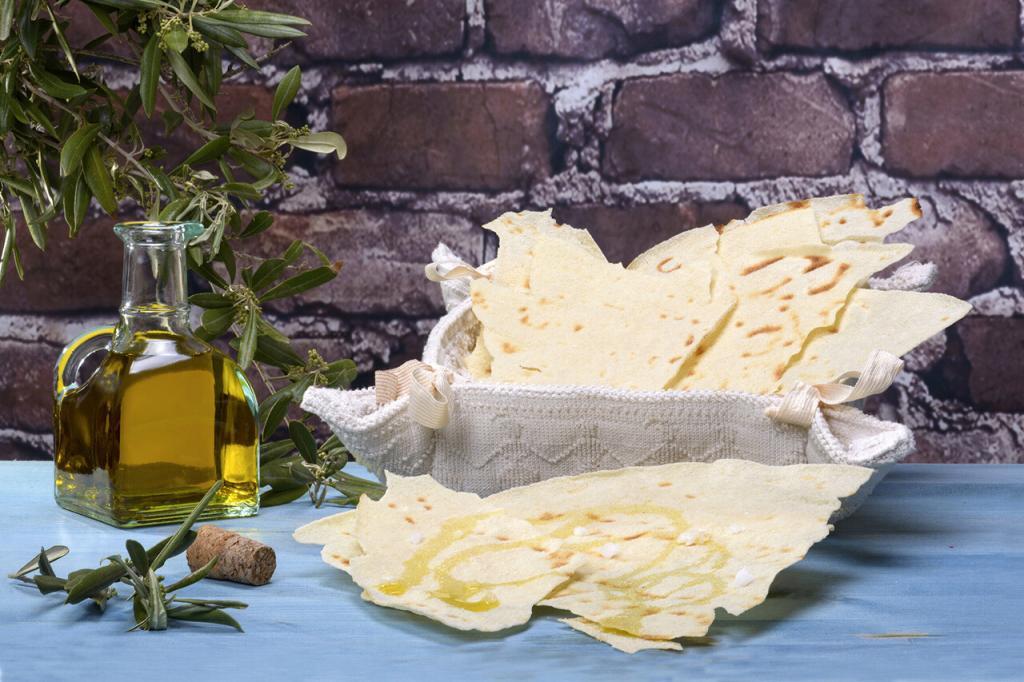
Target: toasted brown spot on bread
{"type": "Point", "coordinates": [577, 327]}
{"type": "Point", "coordinates": [508, 347]}
{"type": "Point", "coordinates": [779, 371]}
{"type": "Point", "coordinates": [843, 267]}
{"type": "Point", "coordinates": [766, 329]}
{"type": "Point", "coordinates": [689, 340]}
{"type": "Point", "coordinates": [674, 359]}
{"type": "Point", "coordinates": [760, 266]}
{"type": "Point", "coordinates": [815, 262]}
{"type": "Point", "coordinates": [783, 308]}
{"type": "Point", "coordinates": [634, 536]}
{"type": "Point", "coordinates": [803, 203]}
{"type": "Point", "coordinates": [664, 484]}
{"type": "Point", "coordinates": [786, 297]}
{"type": "Point", "coordinates": [409, 519]}
{"type": "Point", "coordinates": [771, 290]}
{"type": "Point", "coordinates": [664, 266]}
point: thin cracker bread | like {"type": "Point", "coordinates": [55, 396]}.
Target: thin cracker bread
{"type": "Point", "coordinates": [622, 641]}
{"type": "Point", "coordinates": [893, 321]}
{"type": "Point", "coordinates": [452, 557]}
{"type": "Point", "coordinates": [539, 340]}
{"type": "Point", "coordinates": [690, 537]}
{"type": "Point", "coordinates": [781, 300]}
{"type": "Point", "coordinates": [517, 233]}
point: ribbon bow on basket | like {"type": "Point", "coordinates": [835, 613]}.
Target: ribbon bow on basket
{"type": "Point", "coordinates": [428, 388]}
{"type": "Point", "coordinates": [799, 405]}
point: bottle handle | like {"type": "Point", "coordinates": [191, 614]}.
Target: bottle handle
{"type": "Point", "coordinates": [65, 375]}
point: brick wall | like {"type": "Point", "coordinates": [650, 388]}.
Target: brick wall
{"type": "Point", "coordinates": [635, 120]}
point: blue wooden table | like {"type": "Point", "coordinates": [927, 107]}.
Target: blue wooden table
{"type": "Point", "coordinates": [925, 582]}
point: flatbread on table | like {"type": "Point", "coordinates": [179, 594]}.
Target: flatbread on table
{"type": "Point", "coordinates": [690, 537]}
{"type": "Point", "coordinates": [637, 572]}
{"type": "Point", "coordinates": [452, 557]}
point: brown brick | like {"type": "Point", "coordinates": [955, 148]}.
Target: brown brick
{"type": "Point", "coordinates": [13, 447]}
{"type": "Point", "coordinates": [375, 29]}
{"type": "Point", "coordinates": [625, 232]}
{"type": "Point", "coordinates": [848, 25]}
{"type": "Point", "coordinates": [72, 274]}
{"type": "Point", "coordinates": [735, 126]}
{"type": "Point", "coordinates": [963, 272]}
{"type": "Point", "coordinates": [383, 255]}
{"type": "Point", "coordinates": [958, 124]}
{"type": "Point", "coordinates": [588, 30]}
{"type": "Point", "coordinates": [443, 135]}
{"type": "Point", "coordinates": [994, 346]}
{"type": "Point", "coordinates": [979, 446]}
{"type": "Point", "coordinates": [26, 384]}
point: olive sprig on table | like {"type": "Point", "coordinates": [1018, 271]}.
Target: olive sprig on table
{"type": "Point", "coordinates": [154, 602]}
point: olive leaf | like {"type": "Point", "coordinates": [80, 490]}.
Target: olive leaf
{"type": "Point", "coordinates": [286, 91]}
{"type": "Point", "coordinates": [149, 73]}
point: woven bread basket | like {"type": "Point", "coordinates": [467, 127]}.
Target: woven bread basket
{"type": "Point", "coordinates": [498, 436]}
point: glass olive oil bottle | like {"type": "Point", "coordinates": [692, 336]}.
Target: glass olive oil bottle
{"type": "Point", "coordinates": [165, 415]}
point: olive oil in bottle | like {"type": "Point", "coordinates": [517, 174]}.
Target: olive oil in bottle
{"type": "Point", "coordinates": [164, 416]}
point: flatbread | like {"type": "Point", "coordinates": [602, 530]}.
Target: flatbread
{"type": "Point", "coordinates": [478, 362]}
{"type": "Point", "coordinates": [781, 300]}
{"type": "Point", "coordinates": [688, 257]}
{"type": "Point", "coordinates": [622, 641]}
{"type": "Point", "coordinates": [327, 529]}
{"type": "Point", "coordinates": [517, 233]}
{"type": "Point", "coordinates": [893, 321]}
{"type": "Point", "coordinates": [692, 537]}
{"type": "Point", "coordinates": [689, 538]}
{"type": "Point", "coordinates": [539, 340]}
{"type": "Point", "coordinates": [452, 557]}
{"type": "Point", "coordinates": [847, 217]}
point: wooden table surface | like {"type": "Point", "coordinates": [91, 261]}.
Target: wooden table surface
{"type": "Point", "coordinates": [925, 582]}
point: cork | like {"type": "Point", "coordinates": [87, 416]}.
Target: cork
{"type": "Point", "coordinates": [242, 560]}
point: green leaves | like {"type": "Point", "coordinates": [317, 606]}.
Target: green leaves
{"type": "Point", "coordinates": [247, 343]}
{"type": "Point", "coordinates": [149, 74]}
{"type": "Point", "coordinates": [98, 178]}
{"type": "Point", "coordinates": [188, 78]}
{"type": "Point", "coordinates": [6, 18]}
{"type": "Point", "coordinates": [74, 150]}
{"type": "Point", "coordinates": [303, 440]}
{"type": "Point", "coordinates": [322, 143]}
{"type": "Point", "coordinates": [72, 136]}
{"type": "Point", "coordinates": [56, 87]}
{"type": "Point", "coordinates": [300, 283]}
{"type": "Point", "coordinates": [286, 91]}
{"type": "Point", "coordinates": [211, 151]}
{"type": "Point", "coordinates": [178, 538]}
{"type": "Point", "coordinates": [154, 602]}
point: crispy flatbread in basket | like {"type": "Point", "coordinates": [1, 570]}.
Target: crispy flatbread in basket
{"type": "Point", "coordinates": [583, 321]}
{"type": "Point", "coordinates": [893, 321]}
{"type": "Point", "coordinates": [517, 234]}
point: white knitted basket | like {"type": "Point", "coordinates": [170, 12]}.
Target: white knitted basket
{"type": "Point", "coordinates": [500, 435]}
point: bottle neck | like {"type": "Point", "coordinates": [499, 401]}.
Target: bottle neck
{"type": "Point", "coordinates": [154, 295]}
